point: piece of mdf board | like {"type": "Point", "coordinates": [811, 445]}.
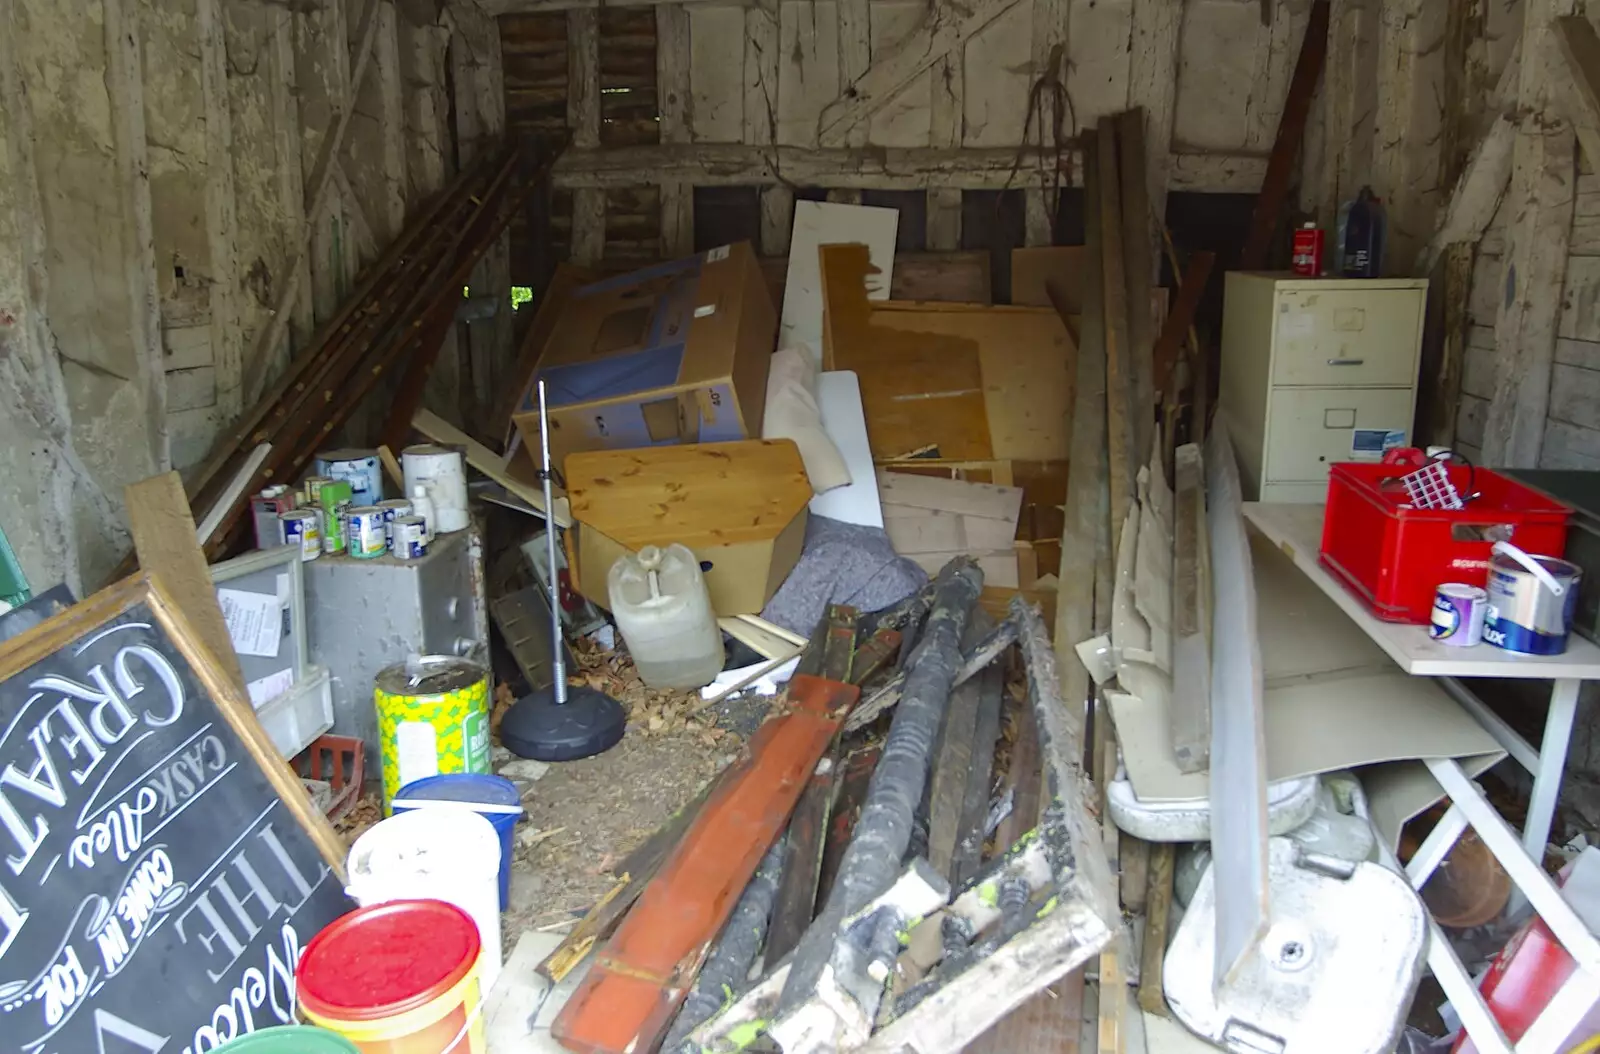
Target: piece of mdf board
{"type": "Point", "coordinates": [950, 277]}
{"type": "Point", "coordinates": [968, 499]}
{"type": "Point", "coordinates": [914, 530]}
{"type": "Point", "coordinates": [1026, 360]}
{"type": "Point", "coordinates": [1033, 269]}
{"type": "Point", "coordinates": [818, 223]}
{"type": "Point", "coordinates": [522, 1004]}
{"type": "Point", "coordinates": [844, 419]}
{"type": "Point", "coordinates": [164, 540]}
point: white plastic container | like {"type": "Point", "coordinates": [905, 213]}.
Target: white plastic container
{"type": "Point", "coordinates": [664, 611]}
{"type": "Point", "coordinates": [434, 854]}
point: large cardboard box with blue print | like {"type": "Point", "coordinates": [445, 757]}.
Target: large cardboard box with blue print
{"type": "Point", "coordinates": [675, 353]}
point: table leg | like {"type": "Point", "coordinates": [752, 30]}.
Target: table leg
{"type": "Point", "coordinates": [1552, 764]}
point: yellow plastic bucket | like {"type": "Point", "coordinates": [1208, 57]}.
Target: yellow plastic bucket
{"type": "Point", "coordinates": [433, 719]}
{"type": "Point", "coordinates": [397, 978]}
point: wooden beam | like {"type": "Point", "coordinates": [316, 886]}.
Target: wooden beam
{"type": "Point", "coordinates": [588, 239]}
{"type": "Point", "coordinates": [125, 86]}
{"type": "Point", "coordinates": [1580, 89]}
{"type": "Point", "coordinates": [222, 220]}
{"type": "Point", "coordinates": [1120, 432]}
{"type": "Point", "coordinates": [1152, 85]}
{"type": "Point", "coordinates": [391, 121]}
{"type": "Point", "coordinates": [884, 168]}
{"type": "Point", "coordinates": [289, 184]}
{"type": "Point", "coordinates": [944, 29]}
{"type": "Point", "coordinates": [1157, 917]}
{"type": "Point", "coordinates": [1454, 291]}
{"type": "Point", "coordinates": [318, 195]}
{"type": "Point", "coordinates": [855, 59]}
{"type": "Point", "coordinates": [1190, 705]}
{"type": "Point", "coordinates": [1535, 263]}
{"type": "Point", "coordinates": [672, 91]}
{"type": "Point", "coordinates": [1286, 147]}
{"type": "Point", "coordinates": [1140, 264]}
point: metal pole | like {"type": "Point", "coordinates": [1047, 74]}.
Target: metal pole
{"type": "Point", "coordinates": [558, 664]}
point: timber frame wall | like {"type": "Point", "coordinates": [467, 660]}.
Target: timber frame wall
{"type": "Point", "coordinates": [875, 97]}
{"type": "Point", "coordinates": [187, 187]}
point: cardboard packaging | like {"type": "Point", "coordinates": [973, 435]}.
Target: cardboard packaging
{"type": "Point", "coordinates": [675, 353]}
{"type": "Point", "coordinates": [741, 507]}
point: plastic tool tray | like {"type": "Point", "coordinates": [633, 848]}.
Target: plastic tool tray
{"type": "Point", "coordinates": [1394, 555]}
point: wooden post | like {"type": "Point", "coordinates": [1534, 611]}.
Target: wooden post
{"type": "Point", "coordinates": [761, 117]}
{"type": "Point", "coordinates": [1535, 263]}
{"type": "Point", "coordinates": [1119, 359]}
{"type": "Point", "coordinates": [1050, 28]}
{"type": "Point", "coordinates": [1152, 85]}
{"type": "Point", "coordinates": [222, 221]}
{"type": "Point", "coordinates": [672, 91]}
{"type": "Point", "coordinates": [583, 117]}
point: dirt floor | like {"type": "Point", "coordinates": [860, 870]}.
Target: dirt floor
{"type": "Point", "coordinates": [583, 817]}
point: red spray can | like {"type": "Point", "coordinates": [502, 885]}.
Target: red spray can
{"type": "Point", "coordinates": [1307, 254]}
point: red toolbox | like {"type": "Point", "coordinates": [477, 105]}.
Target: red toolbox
{"type": "Point", "coordinates": [1394, 555]}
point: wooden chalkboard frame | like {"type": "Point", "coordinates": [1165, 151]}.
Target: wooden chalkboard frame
{"type": "Point", "coordinates": [46, 639]}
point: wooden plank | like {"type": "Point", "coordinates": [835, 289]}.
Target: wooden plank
{"type": "Point", "coordinates": [1444, 400]}
{"type": "Point", "coordinates": [673, 58]}
{"type": "Point", "coordinates": [944, 30]}
{"type": "Point", "coordinates": [1190, 704]}
{"type": "Point", "coordinates": [807, 836]}
{"type": "Point", "coordinates": [1180, 320]}
{"type": "Point", "coordinates": [1048, 1023]}
{"type": "Point", "coordinates": [587, 243]}
{"type": "Point", "coordinates": [221, 207]}
{"type": "Point", "coordinates": [1122, 456]}
{"type": "Point", "coordinates": [1112, 1007]}
{"type": "Point", "coordinates": [165, 540]}
{"type": "Point", "coordinates": [870, 167]}
{"type": "Point", "coordinates": [1580, 48]}
{"type": "Point", "coordinates": [1134, 856]}
{"type": "Point", "coordinates": [1138, 241]}
{"type": "Point", "coordinates": [1075, 594]}
{"type": "Point", "coordinates": [967, 859]}
{"type": "Point", "coordinates": [485, 461]}
{"type": "Point", "coordinates": [1534, 267]}
{"type": "Point", "coordinates": [1286, 146]}
{"type": "Point", "coordinates": [952, 761]}
{"type": "Point", "coordinates": [1157, 920]}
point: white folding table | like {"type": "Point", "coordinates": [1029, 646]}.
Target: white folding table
{"type": "Point", "coordinates": [1297, 530]}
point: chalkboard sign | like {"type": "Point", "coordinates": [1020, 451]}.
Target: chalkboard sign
{"type": "Point", "coordinates": [160, 867]}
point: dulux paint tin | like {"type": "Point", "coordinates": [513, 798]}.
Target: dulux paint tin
{"type": "Point", "coordinates": [410, 538]}
{"type": "Point", "coordinates": [365, 537]}
{"type": "Point", "coordinates": [360, 468]}
{"type": "Point", "coordinates": [1458, 613]}
{"type": "Point", "coordinates": [393, 509]}
{"type": "Point", "coordinates": [1531, 599]}
{"type": "Point", "coordinates": [313, 488]}
{"type": "Point", "coordinates": [303, 527]}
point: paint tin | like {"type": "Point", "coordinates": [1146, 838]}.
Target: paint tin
{"type": "Point", "coordinates": [333, 498]}
{"type": "Point", "coordinates": [359, 468]}
{"type": "Point", "coordinates": [1531, 600]}
{"type": "Point", "coordinates": [410, 539]}
{"type": "Point", "coordinates": [313, 488]}
{"type": "Point", "coordinates": [364, 534]}
{"type": "Point", "coordinates": [1458, 613]}
{"type": "Point", "coordinates": [441, 470]}
{"type": "Point", "coordinates": [265, 508]}
{"type": "Point", "coordinates": [303, 527]}
{"type": "Point", "coordinates": [393, 509]}
{"type": "Point", "coordinates": [433, 718]}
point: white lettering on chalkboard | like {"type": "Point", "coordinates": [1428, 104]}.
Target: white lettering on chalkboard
{"type": "Point", "coordinates": [218, 935]}
{"type": "Point", "coordinates": [84, 740]}
{"type": "Point", "coordinates": [189, 774]}
{"type": "Point", "coordinates": [108, 1024]}
{"type": "Point", "coordinates": [275, 988]}
{"type": "Point", "coordinates": [151, 889]}
{"type": "Point", "coordinates": [121, 831]}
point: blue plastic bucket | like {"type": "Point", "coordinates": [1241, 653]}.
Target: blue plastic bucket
{"type": "Point", "coordinates": [497, 801]}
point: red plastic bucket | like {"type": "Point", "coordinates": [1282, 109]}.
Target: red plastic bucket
{"type": "Point", "coordinates": [397, 978]}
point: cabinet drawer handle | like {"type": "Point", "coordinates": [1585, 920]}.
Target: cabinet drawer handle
{"type": "Point", "coordinates": [1345, 362]}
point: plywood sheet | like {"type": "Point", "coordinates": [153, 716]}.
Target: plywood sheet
{"type": "Point", "coordinates": [1033, 269]}
{"type": "Point", "coordinates": [818, 223]}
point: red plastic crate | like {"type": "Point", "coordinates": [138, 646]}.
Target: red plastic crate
{"type": "Point", "coordinates": [1394, 556]}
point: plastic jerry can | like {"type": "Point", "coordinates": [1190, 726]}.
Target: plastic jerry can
{"type": "Point", "coordinates": [663, 609]}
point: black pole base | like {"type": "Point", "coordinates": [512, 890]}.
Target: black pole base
{"type": "Point", "coordinates": [588, 723]}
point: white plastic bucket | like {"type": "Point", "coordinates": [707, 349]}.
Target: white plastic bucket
{"type": "Point", "coordinates": [434, 854]}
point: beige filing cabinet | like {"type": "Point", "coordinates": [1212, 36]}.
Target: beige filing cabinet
{"type": "Point", "coordinates": [1314, 371]}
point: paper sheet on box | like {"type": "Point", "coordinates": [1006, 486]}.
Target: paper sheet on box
{"type": "Point", "coordinates": [254, 620]}
{"type": "Point", "coordinates": [1334, 700]}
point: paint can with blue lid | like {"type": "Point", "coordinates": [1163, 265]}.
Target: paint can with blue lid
{"type": "Point", "coordinates": [359, 468]}
{"type": "Point", "coordinates": [1531, 600]}
{"type": "Point", "coordinates": [1458, 614]}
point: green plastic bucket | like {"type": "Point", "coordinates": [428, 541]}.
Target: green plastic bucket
{"type": "Point", "coordinates": [289, 1039]}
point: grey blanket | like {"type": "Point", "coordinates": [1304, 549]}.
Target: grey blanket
{"type": "Point", "coordinates": [842, 563]}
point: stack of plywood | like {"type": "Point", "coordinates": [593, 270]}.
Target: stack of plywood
{"type": "Point", "coordinates": [933, 520]}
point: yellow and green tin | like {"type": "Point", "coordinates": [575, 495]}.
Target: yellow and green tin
{"type": "Point", "coordinates": [433, 719]}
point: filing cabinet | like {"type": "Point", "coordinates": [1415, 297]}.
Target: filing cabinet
{"type": "Point", "coordinates": [1316, 371]}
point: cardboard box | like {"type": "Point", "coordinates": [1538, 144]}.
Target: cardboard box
{"type": "Point", "coordinates": [675, 353]}
{"type": "Point", "coordinates": [741, 507]}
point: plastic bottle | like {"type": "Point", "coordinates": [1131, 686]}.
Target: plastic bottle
{"type": "Point", "coordinates": [1361, 237]}
{"type": "Point", "coordinates": [422, 505]}
{"type": "Point", "coordinates": [663, 609]}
